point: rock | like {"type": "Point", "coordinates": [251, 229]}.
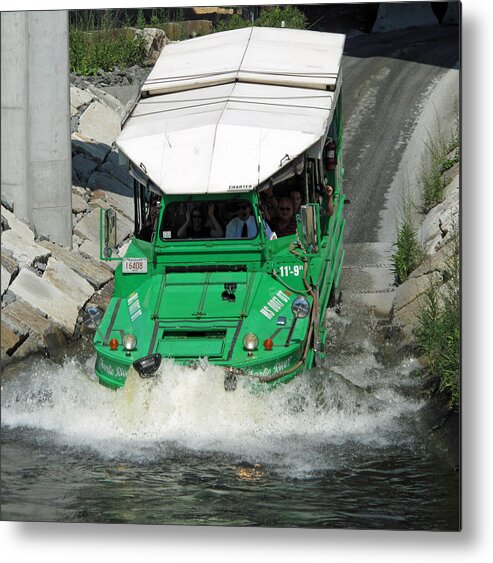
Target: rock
{"type": "Point", "coordinates": [108, 183]}
{"type": "Point", "coordinates": [97, 274]}
{"type": "Point", "coordinates": [9, 269]}
{"type": "Point", "coordinates": [112, 167]}
{"type": "Point", "coordinates": [107, 100]}
{"type": "Point", "coordinates": [5, 224]}
{"type": "Point", "coordinates": [443, 218]}
{"type": "Point", "coordinates": [46, 298]}
{"type": "Point", "coordinates": [9, 339]}
{"type": "Point", "coordinates": [67, 280]}
{"type": "Point", "coordinates": [23, 319]}
{"type": "Point", "coordinates": [412, 288]}
{"type": "Point", "coordinates": [452, 173]}
{"type": "Point", "coordinates": [155, 40]}
{"type": "Point", "coordinates": [127, 95]}
{"type": "Point", "coordinates": [9, 263]}
{"type": "Point", "coordinates": [434, 263]}
{"type": "Point", "coordinates": [79, 204]}
{"type": "Point", "coordinates": [17, 226]}
{"type": "Point", "coordinates": [103, 297]}
{"type": "Point", "coordinates": [88, 226]}
{"type": "Point", "coordinates": [90, 249]}
{"type": "Point", "coordinates": [7, 203]}
{"type": "Point", "coordinates": [24, 250]}
{"type": "Point", "coordinates": [31, 346]}
{"type": "Point", "coordinates": [120, 204]}
{"type": "Point", "coordinates": [8, 298]}
{"type": "Point", "coordinates": [95, 150]}
{"type": "Point", "coordinates": [100, 123]}
{"type": "Point", "coordinates": [79, 190]}
{"type": "Point", "coordinates": [79, 98]}
{"type": "Point", "coordinates": [83, 167]}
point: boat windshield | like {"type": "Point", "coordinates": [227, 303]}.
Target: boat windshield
{"type": "Point", "coordinates": [212, 219]}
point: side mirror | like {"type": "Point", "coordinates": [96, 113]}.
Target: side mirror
{"type": "Point", "coordinates": [108, 228]}
{"type": "Point", "coordinates": [310, 226]}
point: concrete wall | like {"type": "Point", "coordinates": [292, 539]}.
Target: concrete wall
{"type": "Point", "coordinates": [35, 99]}
{"type": "Point", "coordinates": [402, 15]}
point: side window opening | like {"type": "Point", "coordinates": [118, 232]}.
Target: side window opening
{"type": "Point", "coordinates": [146, 212]}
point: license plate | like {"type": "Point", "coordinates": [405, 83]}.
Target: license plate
{"type": "Point", "coordinates": [134, 266]}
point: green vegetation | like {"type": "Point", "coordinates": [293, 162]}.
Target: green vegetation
{"type": "Point", "coordinates": [102, 39]}
{"type": "Point", "coordinates": [408, 253]}
{"type": "Point", "coordinates": [292, 17]}
{"type": "Point", "coordinates": [98, 41]}
{"type": "Point", "coordinates": [439, 157]}
{"type": "Point", "coordinates": [438, 333]}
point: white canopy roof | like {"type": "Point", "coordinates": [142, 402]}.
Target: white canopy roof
{"type": "Point", "coordinates": [227, 111]}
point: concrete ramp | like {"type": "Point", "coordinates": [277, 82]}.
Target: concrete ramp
{"type": "Point", "coordinates": [402, 15]}
{"type": "Point", "coordinates": [367, 276]}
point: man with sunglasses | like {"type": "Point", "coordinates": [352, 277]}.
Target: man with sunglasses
{"type": "Point", "coordinates": [244, 225]}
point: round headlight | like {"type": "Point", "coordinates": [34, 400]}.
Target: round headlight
{"type": "Point", "coordinates": [300, 308]}
{"type": "Point", "coordinates": [250, 342]}
{"type": "Point", "coordinates": [129, 342]}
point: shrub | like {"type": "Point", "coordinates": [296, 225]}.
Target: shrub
{"type": "Point", "coordinates": [438, 332]}
{"type": "Point", "coordinates": [233, 22]}
{"type": "Point", "coordinates": [104, 49]}
{"type": "Point", "coordinates": [435, 162]}
{"type": "Point", "coordinates": [408, 253]}
{"type": "Point", "coordinates": [292, 17]}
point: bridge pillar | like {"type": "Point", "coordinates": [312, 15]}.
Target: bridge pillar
{"type": "Point", "coordinates": [35, 98]}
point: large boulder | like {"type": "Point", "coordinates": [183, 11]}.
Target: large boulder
{"type": "Point", "coordinates": [87, 146]}
{"type": "Point", "coordinates": [155, 40]}
{"type": "Point", "coordinates": [67, 280]}
{"type": "Point", "coordinates": [24, 250]}
{"type": "Point", "coordinates": [48, 299]}
{"type": "Point", "coordinates": [79, 98]}
{"type": "Point", "coordinates": [100, 123]}
{"type": "Point", "coordinates": [96, 273]}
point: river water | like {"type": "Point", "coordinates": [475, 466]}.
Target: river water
{"type": "Point", "coordinates": [341, 447]}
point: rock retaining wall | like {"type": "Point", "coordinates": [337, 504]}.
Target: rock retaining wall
{"type": "Point", "coordinates": [45, 287]}
{"type": "Point", "coordinates": [436, 238]}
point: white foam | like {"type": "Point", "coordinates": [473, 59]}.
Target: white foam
{"type": "Point", "coordinates": [291, 426]}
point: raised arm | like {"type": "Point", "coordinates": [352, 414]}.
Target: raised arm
{"type": "Point", "coordinates": [217, 231]}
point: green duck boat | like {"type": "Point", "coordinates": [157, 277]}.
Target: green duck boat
{"type": "Point", "coordinates": [235, 147]}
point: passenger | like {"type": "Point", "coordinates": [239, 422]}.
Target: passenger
{"type": "Point", "coordinates": [286, 222]}
{"type": "Point", "coordinates": [269, 203]}
{"type": "Point", "coordinates": [244, 225]}
{"type": "Point", "coordinates": [329, 190]}
{"type": "Point", "coordinates": [147, 230]}
{"type": "Point", "coordinates": [296, 200]}
{"type": "Point", "coordinates": [195, 227]}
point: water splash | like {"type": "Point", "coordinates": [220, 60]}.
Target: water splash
{"type": "Point", "coordinates": [302, 424]}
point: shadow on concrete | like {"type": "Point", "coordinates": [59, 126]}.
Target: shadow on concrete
{"type": "Point", "coordinates": [437, 46]}
{"type": "Point", "coordinates": [357, 20]}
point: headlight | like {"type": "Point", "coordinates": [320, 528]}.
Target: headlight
{"type": "Point", "coordinates": [250, 342]}
{"type": "Point", "coordinates": [300, 308]}
{"type": "Point", "coordinates": [129, 342]}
